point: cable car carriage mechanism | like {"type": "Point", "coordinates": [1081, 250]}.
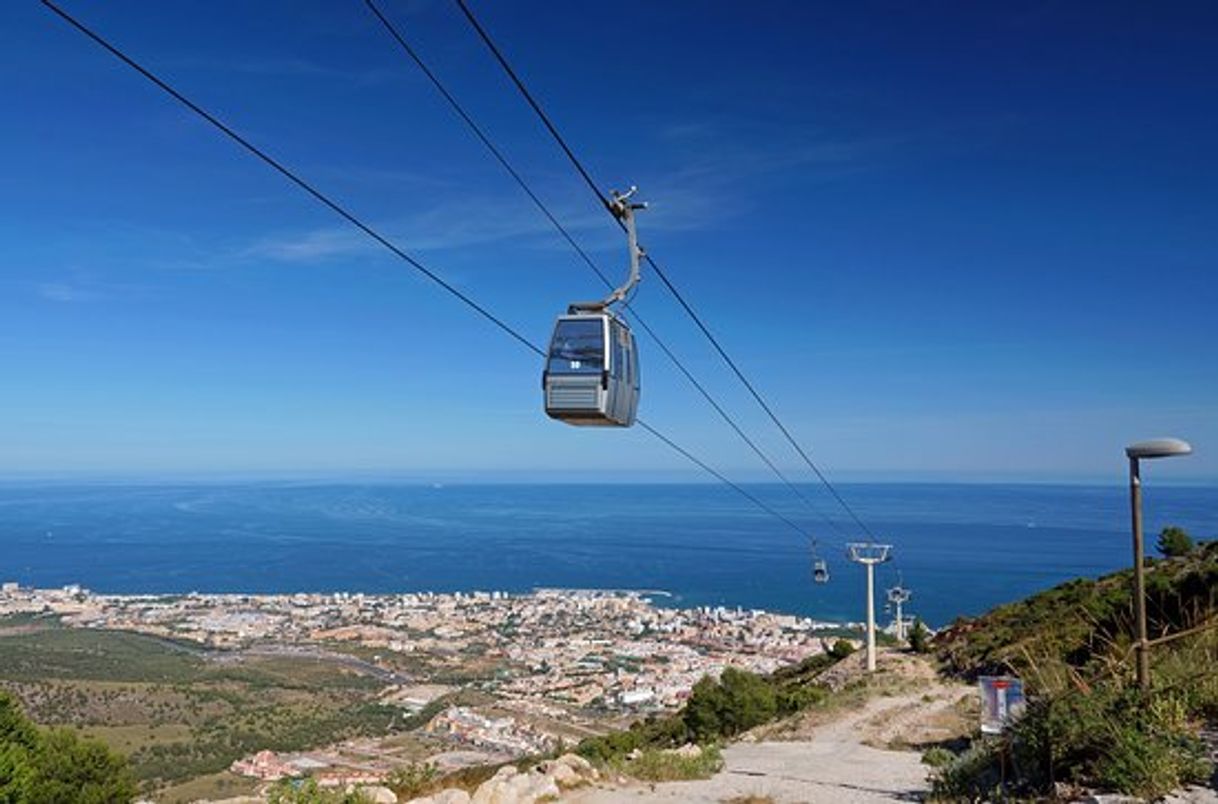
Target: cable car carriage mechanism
{"type": "Point", "coordinates": [591, 376]}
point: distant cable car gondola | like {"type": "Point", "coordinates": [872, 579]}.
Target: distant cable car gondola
{"type": "Point", "coordinates": [591, 376]}
{"type": "Point", "coordinates": [820, 571]}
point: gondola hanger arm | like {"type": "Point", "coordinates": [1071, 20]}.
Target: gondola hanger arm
{"type": "Point", "coordinates": [623, 209]}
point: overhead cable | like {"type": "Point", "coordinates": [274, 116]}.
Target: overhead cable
{"type": "Point", "coordinates": [383, 241]}
{"type": "Point", "coordinates": [583, 172]}
{"type": "Point", "coordinates": [499, 156]}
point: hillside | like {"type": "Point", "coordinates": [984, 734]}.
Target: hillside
{"type": "Point", "coordinates": [1084, 624]}
{"type": "Point", "coordinates": [1087, 725]}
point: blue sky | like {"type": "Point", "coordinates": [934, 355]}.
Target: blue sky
{"type": "Point", "coordinates": [947, 240]}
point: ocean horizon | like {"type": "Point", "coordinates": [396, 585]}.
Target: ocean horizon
{"type": "Point", "coordinates": [961, 548]}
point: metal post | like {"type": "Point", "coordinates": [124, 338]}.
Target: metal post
{"type": "Point", "coordinates": [869, 554]}
{"type": "Point", "coordinates": [897, 596]}
{"type": "Point", "coordinates": [1154, 448]}
{"type": "Point", "coordinates": [871, 617]}
{"type": "Point", "coordinates": [1139, 576]}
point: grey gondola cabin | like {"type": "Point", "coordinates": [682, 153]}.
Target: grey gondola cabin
{"type": "Point", "coordinates": [591, 376]}
{"type": "Point", "coordinates": [592, 373]}
{"type": "Point", "coordinates": [820, 571]}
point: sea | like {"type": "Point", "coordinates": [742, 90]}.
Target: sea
{"type": "Point", "coordinates": [959, 548]}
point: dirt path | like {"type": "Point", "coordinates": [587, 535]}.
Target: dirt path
{"type": "Point", "coordinates": [837, 759]}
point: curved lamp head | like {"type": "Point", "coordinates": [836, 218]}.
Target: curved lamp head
{"type": "Point", "coordinates": [1159, 448]}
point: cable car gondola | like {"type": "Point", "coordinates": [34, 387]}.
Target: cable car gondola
{"type": "Point", "coordinates": [820, 571]}
{"type": "Point", "coordinates": [591, 376]}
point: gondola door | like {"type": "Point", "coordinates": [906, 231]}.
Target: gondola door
{"type": "Point", "coordinates": [612, 375]}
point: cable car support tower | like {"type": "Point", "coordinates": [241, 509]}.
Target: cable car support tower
{"type": "Point", "coordinates": [898, 596]}
{"type": "Point", "coordinates": [869, 554]}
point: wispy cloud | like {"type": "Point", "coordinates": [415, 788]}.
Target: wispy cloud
{"type": "Point", "coordinates": [65, 292]}
{"type": "Point", "coordinates": [313, 245]}
{"type": "Point", "coordinates": [719, 167]}
{"type": "Point", "coordinates": [443, 227]}
{"type": "Point", "coordinates": [81, 289]}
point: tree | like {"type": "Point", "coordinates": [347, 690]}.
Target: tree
{"type": "Point", "coordinates": [841, 649]}
{"type": "Point", "coordinates": [1175, 542]}
{"type": "Point", "coordinates": [56, 766]}
{"type": "Point", "coordinates": [737, 702]}
{"type": "Point", "coordinates": [702, 711]}
{"type": "Point", "coordinates": [76, 771]}
{"type": "Point", "coordinates": [919, 637]}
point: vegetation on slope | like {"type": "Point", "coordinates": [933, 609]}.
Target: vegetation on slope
{"type": "Point", "coordinates": [719, 709]}
{"type": "Point", "coordinates": [1085, 624]}
{"type": "Point", "coordinates": [176, 714]}
{"type": "Point", "coordinates": [55, 766]}
{"type": "Point", "coordinates": [1087, 724]}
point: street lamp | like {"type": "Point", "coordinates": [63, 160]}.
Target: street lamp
{"type": "Point", "coordinates": [1156, 448]}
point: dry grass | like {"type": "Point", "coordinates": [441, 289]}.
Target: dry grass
{"type": "Point", "coordinates": [656, 765]}
{"type": "Point", "coordinates": [213, 786]}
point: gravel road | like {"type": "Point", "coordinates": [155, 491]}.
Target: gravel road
{"type": "Point", "coordinates": [833, 765]}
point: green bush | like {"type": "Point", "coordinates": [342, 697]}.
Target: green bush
{"type": "Point", "coordinates": [841, 649]}
{"type": "Point", "coordinates": [413, 780]}
{"type": "Point", "coordinates": [723, 708]}
{"type": "Point", "coordinates": [1174, 542]}
{"type": "Point", "coordinates": [971, 776]}
{"type": "Point", "coordinates": [738, 701]}
{"type": "Point", "coordinates": [919, 637]}
{"type": "Point", "coordinates": [1106, 738]}
{"type": "Point", "coordinates": [938, 757]}
{"type": "Point", "coordinates": [666, 765]}
{"type": "Point", "coordinates": [56, 766]}
{"type": "Point", "coordinates": [1111, 738]}
{"type": "Point", "coordinates": [288, 791]}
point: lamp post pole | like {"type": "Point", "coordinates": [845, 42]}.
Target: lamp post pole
{"type": "Point", "coordinates": [1157, 448]}
{"type": "Point", "coordinates": [1139, 575]}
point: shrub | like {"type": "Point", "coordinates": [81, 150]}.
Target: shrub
{"type": "Point", "coordinates": [1111, 738]}
{"type": "Point", "coordinates": [667, 765]}
{"type": "Point", "coordinates": [56, 766]}
{"type": "Point", "coordinates": [1107, 738]}
{"type": "Point", "coordinates": [971, 776]}
{"type": "Point", "coordinates": [1175, 542]}
{"type": "Point", "coordinates": [723, 708]}
{"type": "Point", "coordinates": [738, 701]}
{"type": "Point", "coordinates": [919, 637]}
{"type": "Point", "coordinates": [413, 780]}
{"type": "Point", "coordinates": [937, 757]}
{"type": "Point", "coordinates": [287, 791]}
{"type": "Point", "coordinates": [841, 649]}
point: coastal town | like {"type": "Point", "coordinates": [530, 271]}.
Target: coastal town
{"type": "Point", "coordinates": [487, 676]}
